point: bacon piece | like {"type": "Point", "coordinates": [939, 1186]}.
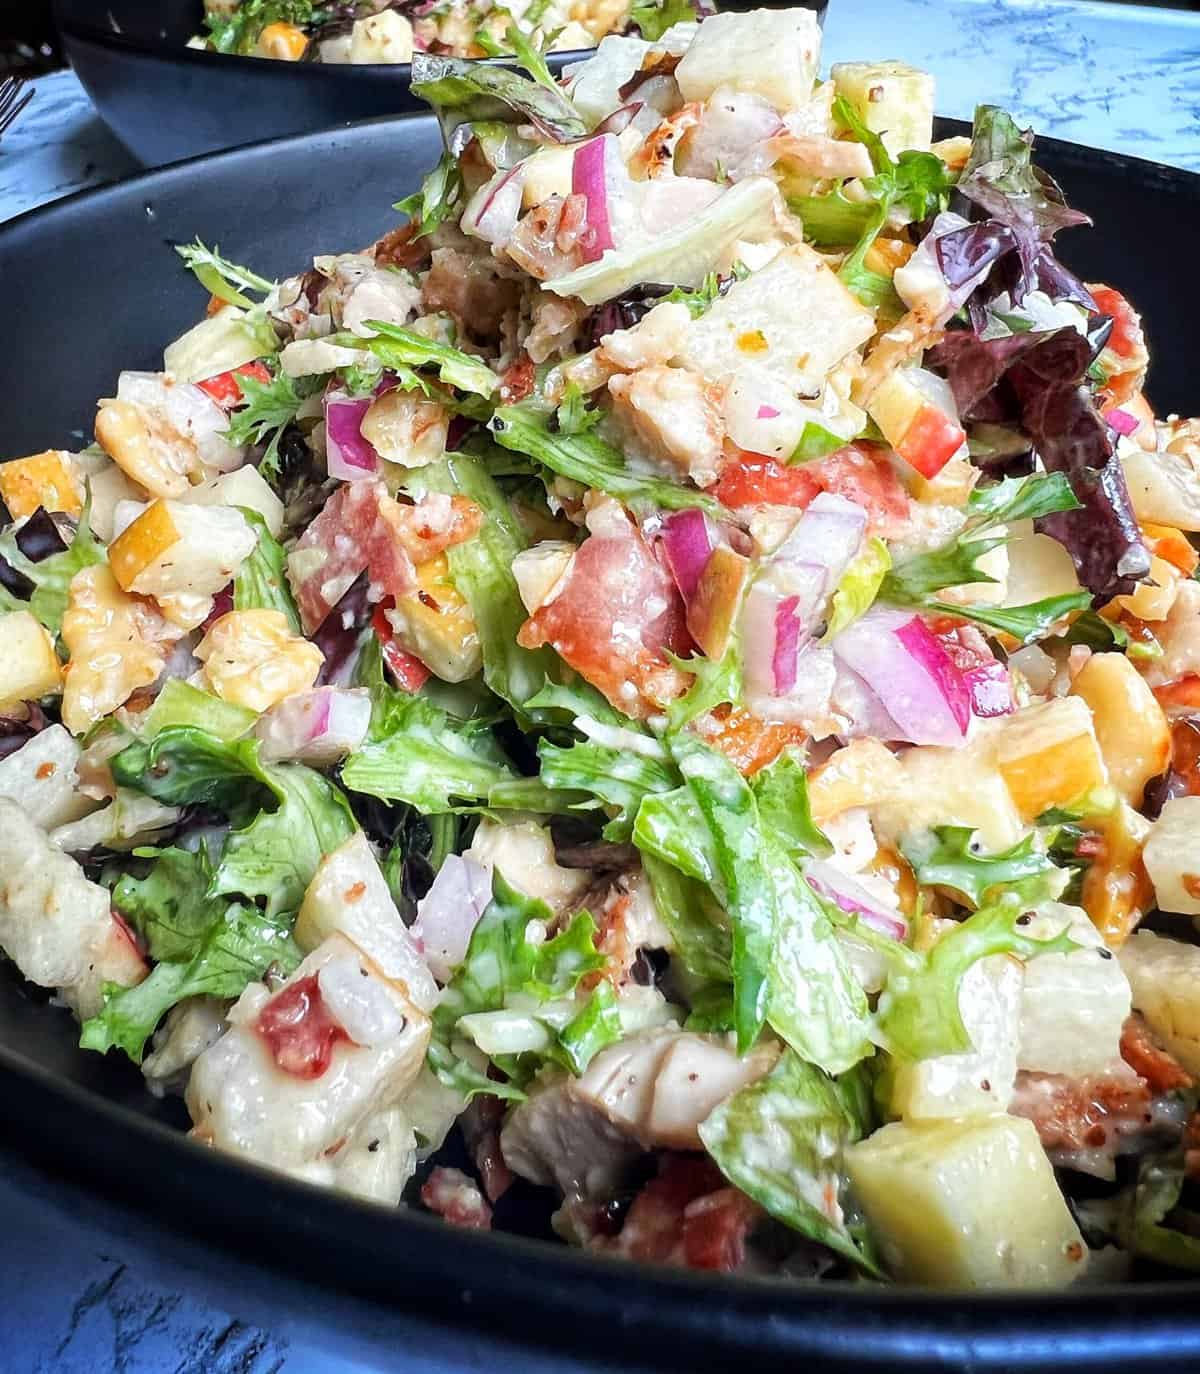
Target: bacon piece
{"type": "Point", "coordinates": [480, 1125]}
{"type": "Point", "coordinates": [363, 529]}
{"type": "Point", "coordinates": [467, 286]}
{"type": "Point", "coordinates": [687, 1216]}
{"type": "Point", "coordinates": [617, 611]}
{"type": "Point", "coordinates": [748, 742]}
{"type": "Point", "coordinates": [456, 1199]}
{"type": "Point", "coordinates": [1074, 1114]}
{"type": "Point", "coordinates": [1162, 1071]}
{"type": "Point", "coordinates": [299, 1030]}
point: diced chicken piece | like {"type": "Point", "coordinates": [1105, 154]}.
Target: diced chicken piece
{"type": "Point", "coordinates": [385, 37]}
{"type": "Point", "coordinates": [110, 488]}
{"type": "Point", "coordinates": [190, 1028]}
{"type": "Point", "coordinates": [557, 1141]}
{"type": "Point", "coordinates": [181, 555]}
{"type": "Point", "coordinates": [655, 339]}
{"type": "Point", "coordinates": [771, 53]}
{"type": "Point", "coordinates": [301, 1070]}
{"type": "Point", "coordinates": [978, 1081]}
{"type": "Point", "coordinates": [670, 415]}
{"type": "Point", "coordinates": [405, 428]}
{"type": "Point", "coordinates": [731, 139]}
{"type": "Point", "coordinates": [1164, 486]}
{"type": "Point", "coordinates": [41, 776]}
{"type": "Point", "coordinates": [50, 480]}
{"type": "Point", "coordinates": [349, 896]}
{"type": "Point", "coordinates": [252, 659]}
{"type": "Point", "coordinates": [55, 925]}
{"type": "Point", "coordinates": [243, 487]}
{"type": "Point", "coordinates": [114, 645]}
{"type": "Point", "coordinates": [468, 286]}
{"type": "Point", "coordinates": [524, 854]}
{"type": "Point", "coordinates": [792, 320]}
{"type": "Point", "coordinates": [162, 433]}
{"type": "Point", "coordinates": [1179, 636]}
{"type": "Point", "coordinates": [29, 667]}
{"type": "Point", "coordinates": [650, 1090]}
{"type": "Point", "coordinates": [1073, 1006]}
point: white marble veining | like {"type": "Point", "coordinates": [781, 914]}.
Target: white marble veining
{"type": "Point", "coordinates": [1125, 77]}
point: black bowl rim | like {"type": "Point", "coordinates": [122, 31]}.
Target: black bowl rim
{"type": "Point", "coordinates": [843, 1322]}
{"type": "Point", "coordinates": [80, 28]}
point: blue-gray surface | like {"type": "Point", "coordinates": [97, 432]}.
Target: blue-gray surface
{"type": "Point", "coordinates": [88, 1291]}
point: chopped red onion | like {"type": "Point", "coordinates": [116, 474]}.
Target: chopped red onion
{"type": "Point", "coordinates": [1122, 421]}
{"type": "Point", "coordinates": [828, 533]}
{"type": "Point", "coordinates": [852, 897]}
{"type": "Point", "coordinates": [787, 644]}
{"type": "Point", "coordinates": [591, 173]}
{"type": "Point", "coordinates": [688, 540]}
{"type": "Point", "coordinates": [348, 456]}
{"type": "Point", "coordinates": [321, 726]}
{"type": "Point", "coordinates": [449, 911]}
{"type": "Point", "coordinates": [767, 413]}
{"type": "Point", "coordinates": [899, 658]}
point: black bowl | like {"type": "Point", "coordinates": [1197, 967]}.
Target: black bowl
{"type": "Point", "coordinates": [92, 286]}
{"type": "Point", "coordinates": [166, 101]}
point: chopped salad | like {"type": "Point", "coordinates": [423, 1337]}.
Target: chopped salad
{"type": "Point", "coordinates": [670, 683]}
{"type": "Point", "coordinates": [390, 31]}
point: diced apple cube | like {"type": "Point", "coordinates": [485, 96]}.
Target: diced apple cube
{"type": "Point", "coordinates": [714, 606]}
{"type": "Point", "coordinates": [437, 625]}
{"type": "Point", "coordinates": [242, 487]}
{"type": "Point", "coordinates": [966, 1204]}
{"type": "Point", "coordinates": [1172, 856]}
{"type": "Point", "coordinates": [385, 37]}
{"type": "Point", "coordinates": [1131, 728]}
{"type": "Point", "coordinates": [50, 480]}
{"type": "Point", "coordinates": [181, 554]}
{"type": "Point", "coordinates": [1048, 756]}
{"type": "Point", "coordinates": [772, 53]}
{"type": "Point", "coordinates": [349, 896]}
{"type": "Point", "coordinates": [892, 99]}
{"type": "Point", "coordinates": [978, 1081]}
{"type": "Point", "coordinates": [792, 320]}
{"type": "Point", "coordinates": [29, 667]}
{"type": "Point", "coordinates": [1164, 976]}
{"type": "Point", "coordinates": [548, 172]}
{"type": "Point", "coordinates": [596, 84]}
{"type": "Point", "coordinates": [540, 570]}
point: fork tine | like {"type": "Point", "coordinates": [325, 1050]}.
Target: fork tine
{"type": "Point", "coordinates": [12, 101]}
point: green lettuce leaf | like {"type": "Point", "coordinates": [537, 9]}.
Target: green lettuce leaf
{"type": "Point", "coordinates": [221, 278]}
{"type": "Point", "coordinates": [1146, 1228]}
{"type": "Point", "coordinates": [654, 17]}
{"type": "Point", "coordinates": [832, 221]}
{"type": "Point", "coordinates": [440, 196]}
{"type": "Point", "coordinates": [473, 90]}
{"type": "Point", "coordinates": [277, 853]}
{"type": "Point", "coordinates": [588, 459]}
{"type": "Point", "coordinates": [714, 683]}
{"type": "Point", "coordinates": [914, 582]}
{"type": "Point", "coordinates": [261, 582]}
{"type": "Point", "coordinates": [615, 778]}
{"type": "Point", "coordinates": [946, 857]}
{"type": "Point", "coordinates": [268, 410]}
{"type": "Point", "coordinates": [918, 1015]}
{"type": "Point", "coordinates": [51, 577]}
{"type": "Point", "coordinates": [699, 928]}
{"type": "Point", "coordinates": [856, 592]}
{"type": "Point", "coordinates": [781, 790]}
{"type": "Point", "coordinates": [236, 949]}
{"type": "Point", "coordinates": [179, 703]}
{"type": "Point", "coordinates": [417, 753]}
{"type": "Point", "coordinates": [501, 963]}
{"type": "Point", "coordinates": [400, 348]}
{"type": "Point", "coordinates": [781, 1141]}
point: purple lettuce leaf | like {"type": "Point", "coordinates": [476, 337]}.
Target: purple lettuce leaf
{"type": "Point", "coordinates": [1038, 380]}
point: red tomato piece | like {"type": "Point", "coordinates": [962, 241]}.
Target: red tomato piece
{"type": "Point", "coordinates": [456, 1198]}
{"type": "Point", "coordinates": [224, 389]}
{"type": "Point", "coordinates": [715, 1230]}
{"type": "Point", "coordinates": [930, 441]}
{"type": "Point", "coordinates": [299, 1030]}
{"type": "Point", "coordinates": [754, 480]}
{"type": "Point", "coordinates": [409, 672]}
{"type": "Point", "coordinates": [618, 610]}
{"type": "Point", "coordinates": [1126, 339]}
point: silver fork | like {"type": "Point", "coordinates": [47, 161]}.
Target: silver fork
{"type": "Point", "coordinates": [12, 101]}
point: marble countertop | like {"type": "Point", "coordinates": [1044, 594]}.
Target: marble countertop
{"type": "Point", "coordinates": [97, 1298]}
{"type": "Point", "coordinates": [1125, 77]}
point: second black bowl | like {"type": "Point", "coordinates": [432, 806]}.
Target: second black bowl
{"type": "Point", "coordinates": [166, 101]}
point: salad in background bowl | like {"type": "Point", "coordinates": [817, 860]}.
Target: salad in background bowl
{"type": "Point", "coordinates": [676, 664]}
